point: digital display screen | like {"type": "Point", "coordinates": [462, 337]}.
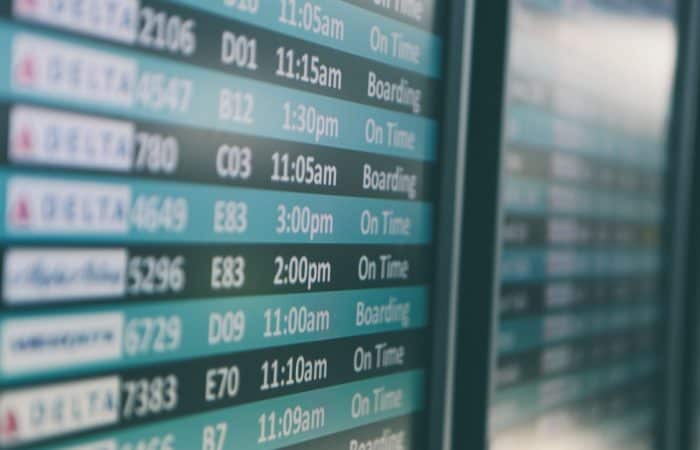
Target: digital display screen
{"type": "Point", "coordinates": [218, 223]}
{"type": "Point", "coordinates": [578, 362]}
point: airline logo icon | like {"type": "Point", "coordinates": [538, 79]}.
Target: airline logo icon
{"type": "Point", "coordinates": [38, 413]}
{"type": "Point", "coordinates": [43, 275]}
{"type": "Point", "coordinates": [45, 343]}
{"type": "Point", "coordinates": [56, 138]}
{"type": "Point", "coordinates": [36, 205]}
{"type": "Point", "coordinates": [50, 68]}
{"type": "Point", "coordinates": [102, 445]}
{"type": "Point", "coordinates": [110, 19]}
{"type": "Point", "coordinates": [26, 70]}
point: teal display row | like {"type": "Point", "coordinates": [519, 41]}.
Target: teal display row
{"type": "Point", "coordinates": [105, 337]}
{"type": "Point", "coordinates": [90, 208]}
{"type": "Point", "coordinates": [74, 72]}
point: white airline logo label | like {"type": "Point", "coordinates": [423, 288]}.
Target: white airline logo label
{"type": "Point", "coordinates": [38, 413]}
{"type": "Point", "coordinates": [37, 205]}
{"type": "Point", "coordinates": [44, 343]}
{"type": "Point", "coordinates": [102, 445]}
{"type": "Point", "coordinates": [43, 275]}
{"type": "Point", "coordinates": [47, 67]}
{"type": "Point", "coordinates": [39, 135]}
{"type": "Point", "coordinates": [110, 19]}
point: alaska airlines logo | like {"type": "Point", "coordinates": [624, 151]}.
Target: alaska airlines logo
{"type": "Point", "coordinates": [38, 344]}
{"type": "Point", "coordinates": [48, 274]}
{"type": "Point", "coordinates": [31, 414]}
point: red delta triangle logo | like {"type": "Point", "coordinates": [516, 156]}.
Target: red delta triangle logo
{"type": "Point", "coordinates": [24, 140]}
{"type": "Point", "coordinates": [25, 72]}
{"type": "Point", "coordinates": [8, 426]}
{"type": "Point", "coordinates": [27, 5]}
{"type": "Point", "coordinates": [20, 212]}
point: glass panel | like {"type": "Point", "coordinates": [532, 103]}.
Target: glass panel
{"type": "Point", "coordinates": [584, 154]}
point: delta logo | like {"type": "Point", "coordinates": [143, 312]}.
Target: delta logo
{"type": "Point", "coordinates": [59, 206]}
{"type": "Point", "coordinates": [39, 135]}
{"type": "Point", "coordinates": [33, 414]}
{"type": "Point", "coordinates": [72, 72]}
{"type": "Point", "coordinates": [113, 19]}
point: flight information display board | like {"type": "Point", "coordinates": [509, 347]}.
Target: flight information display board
{"type": "Point", "coordinates": [218, 222]}
{"type": "Point", "coordinates": [584, 157]}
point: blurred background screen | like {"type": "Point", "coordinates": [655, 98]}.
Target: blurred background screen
{"type": "Point", "coordinates": [580, 314]}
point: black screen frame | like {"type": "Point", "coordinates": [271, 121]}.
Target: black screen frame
{"type": "Point", "coordinates": [480, 227]}
{"type": "Point", "coordinates": [684, 253]}
{"type": "Point", "coordinates": [452, 158]}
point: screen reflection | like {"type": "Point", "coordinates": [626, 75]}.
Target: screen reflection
{"type": "Point", "coordinates": [584, 146]}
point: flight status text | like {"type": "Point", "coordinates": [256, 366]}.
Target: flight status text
{"type": "Point", "coordinates": [218, 222]}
